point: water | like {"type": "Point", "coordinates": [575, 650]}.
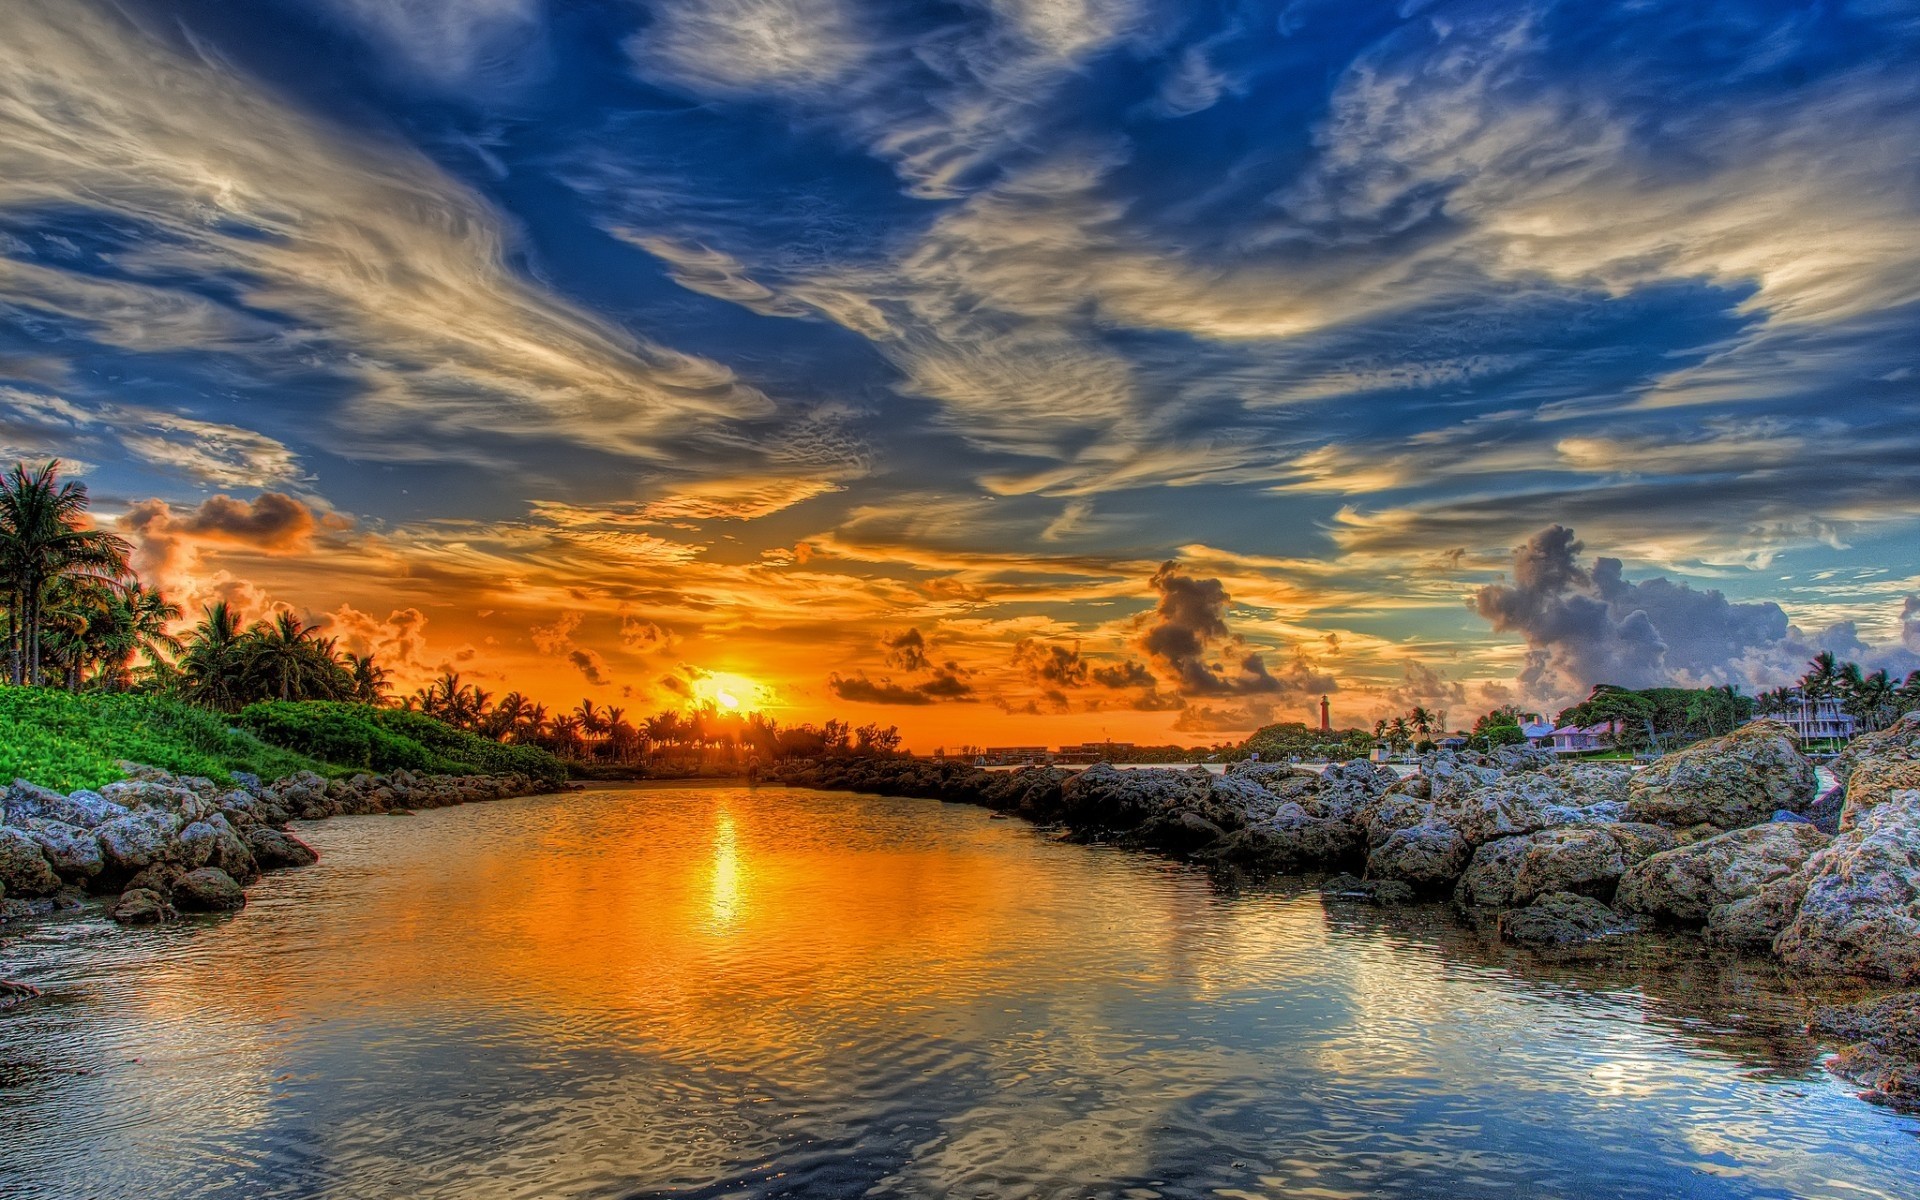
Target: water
{"type": "Point", "coordinates": [716, 992]}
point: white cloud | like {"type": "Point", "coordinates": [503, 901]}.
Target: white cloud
{"type": "Point", "coordinates": [745, 46]}
{"type": "Point", "coordinates": [394, 272]}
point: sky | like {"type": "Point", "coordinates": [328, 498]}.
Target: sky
{"type": "Point", "coordinates": [1013, 371]}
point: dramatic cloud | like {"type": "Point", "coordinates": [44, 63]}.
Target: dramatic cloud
{"type": "Point", "coordinates": [945, 684]}
{"type": "Point", "coordinates": [1051, 664]}
{"type": "Point", "coordinates": [1189, 629]}
{"type": "Point", "coordinates": [906, 650]}
{"type": "Point", "coordinates": [1584, 627]}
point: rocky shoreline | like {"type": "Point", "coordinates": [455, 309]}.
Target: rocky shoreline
{"type": "Point", "coordinates": [1728, 838]}
{"type": "Point", "coordinates": [161, 844]}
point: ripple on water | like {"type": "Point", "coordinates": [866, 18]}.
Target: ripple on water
{"type": "Point", "coordinates": [716, 992]}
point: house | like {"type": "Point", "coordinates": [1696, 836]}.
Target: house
{"type": "Point", "coordinates": [1583, 739]}
{"type": "Point", "coordinates": [1536, 729]}
{"type": "Point", "coordinates": [1816, 719]}
{"type": "Point", "coordinates": [1015, 756]}
{"type": "Point", "coordinates": [1451, 741]}
{"type": "Point", "coordinates": [1092, 752]}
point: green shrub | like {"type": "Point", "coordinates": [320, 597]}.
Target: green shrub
{"type": "Point", "coordinates": [385, 739]}
{"type": "Point", "coordinates": [60, 740]}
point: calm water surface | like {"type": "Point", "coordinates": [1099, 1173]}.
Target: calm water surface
{"type": "Point", "coordinates": [715, 992]}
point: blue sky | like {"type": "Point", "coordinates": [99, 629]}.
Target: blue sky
{"type": "Point", "coordinates": [594, 347]}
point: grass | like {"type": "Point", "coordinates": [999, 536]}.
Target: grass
{"type": "Point", "coordinates": [63, 741]}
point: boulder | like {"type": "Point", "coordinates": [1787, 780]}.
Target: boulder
{"type": "Point", "coordinates": [25, 800]}
{"type": "Point", "coordinates": [1584, 859]}
{"type": "Point", "coordinates": [195, 845]}
{"type": "Point", "coordinates": [1290, 839]}
{"type": "Point", "coordinates": [1872, 783]}
{"type": "Point", "coordinates": [138, 839]}
{"type": "Point", "coordinates": [208, 889]}
{"type": "Point", "coordinates": [303, 794]}
{"type": "Point", "coordinates": [1103, 797]}
{"type": "Point", "coordinates": [230, 852]}
{"type": "Point", "coordinates": [1489, 878]}
{"type": "Point", "coordinates": [1427, 857]}
{"type": "Point", "coordinates": [166, 796]}
{"type": "Point", "coordinates": [1727, 782]}
{"type": "Point", "coordinates": [73, 852]}
{"type": "Point", "coordinates": [273, 849]}
{"type": "Point", "coordinates": [1898, 741]}
{"type": "Point", "coordinates": [1686, 884]}
{"type": "Point", "coordinates": [24, 869]}
{"type": "Point", "coordinates": [160, 878]}
{"type": "Point", "coordinates": [83, 808]}
{"type": "Point", "coordinates": [1559, 920]}
{"type": "Point", "coordinates": [1882, 1050]}
{"type": "Point", "coordinates": [1518, 804]}
{"type": "Point", "coordinates": [1381, 893]}
{"type": "Point", "coordinates": [141, 906]}
{"type": "Point", "coordinates": [1346, 788]}
{"type": "Point", "coordinates": [1861, 914]}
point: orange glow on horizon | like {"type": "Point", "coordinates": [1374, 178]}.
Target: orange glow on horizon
{"type": "Point", "coordinates": [731, 693]}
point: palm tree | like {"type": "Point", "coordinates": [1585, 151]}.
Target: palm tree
{"type": "Point", "coordinates": [213, 667]}
{"type": "Point", "coordinates": [285, 660]}
{"type": "Point", "coordinates": [1871, 698]}
{"type": "Point", "coordinates": [43, 537]}
{"type": "Point", "coordinates": [1421, 719]}
{"type": "Point", "coordinates": [1822, 677]}
{"type": "Point", "coordinates": [369, 679]}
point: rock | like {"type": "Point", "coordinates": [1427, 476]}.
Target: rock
{"type": "Point", "coordinates": [1489, 878]}
{"type": "Point", "coordinates": [1427, 858]}
{"type": "Point", "coordinates": [1883, 1050]}
{"type": "Point", "coordinates": [166, 796]}
{"type": "Point", "coordinates": [1898, 741]}
{"type": "Point", "coordinates": [303, 794]}
{"type": "Point", "coordinates": [160, 878]}
{"type": "Point", "coordinates": [74, 853]}
{"type": "Point", "coordinates": [141, 906]}
{"type": "Point", "coordinates": [1861, 914]}
{"type": "Point", "coordinates": [1755, 922]}
{"type": "Point", "coordinates": [1290, 839]}
{"type": "Point", "coordinates": [273, 849]}
{"type": "Point", "coordinates": [25, 800]}
{"type": "Point", "coordinates": [195, 845]}
{"type": "Point", "coordinates": [24, 869]}
{"type": "Point", "coordinates": [1595, 782]}
{"type": "Point", "coordinates": [1584, 859]}
{"type": "Point", "coordinates": [1378, 892]}
{"type": "Point", "coordinates": [1560, 919]}
{"type": "Point", "coordinates": [230, 852]}
{"type": "Point", "coordinates": [208, 889]}
{"type": "Point", "coordinates": [1104, 797]}
{"type": "Point", "coordinates": [1873, 783]}
{"type": "Point", "coordinates": [138, 839]}
{"type": "Point", "coordinates": [83, 808]}
{"type": "Point", "coordinates": [1824, 813]}
{"type": "Point", "coordinates": [1518, 804]}
{"type": "Point", "coordinates": [1728, 782]}
{"type": "Point", "coordinates": [12, 993]}
{"type": "Point", "coordinates": [1685, 884]}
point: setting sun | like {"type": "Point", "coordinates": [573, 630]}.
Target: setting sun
{"type": "Point", "coordinates": [731, 693]}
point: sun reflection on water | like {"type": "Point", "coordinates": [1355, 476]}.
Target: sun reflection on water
{"type": "Point", "coordinates": [725, 899]}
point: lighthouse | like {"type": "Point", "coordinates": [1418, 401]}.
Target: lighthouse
{"type": "Point", "coordinates": [1326, 716]}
